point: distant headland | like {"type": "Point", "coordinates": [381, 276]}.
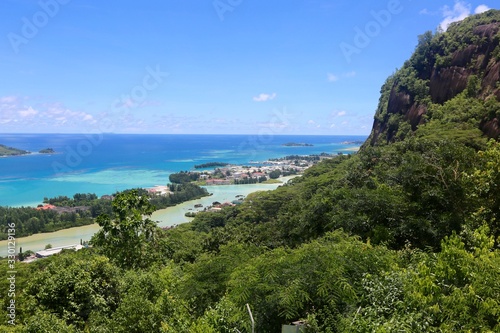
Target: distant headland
{"type": "Point", "coordinates": [295, 144]}
{"type": "Point", "coordinates": [10, 151]}
{"type": "Point", "coordinates": [6, 151]}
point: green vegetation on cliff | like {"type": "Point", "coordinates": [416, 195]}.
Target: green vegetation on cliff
{"type": "Point", "coordinates": [448, 88]}
{"type": "Point", "coordinates": [401, 237]}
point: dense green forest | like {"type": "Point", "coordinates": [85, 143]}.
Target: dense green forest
{"type": "Point", "coordinates": [30, 221]}
{"type": "Point", "coordinates": [80, 210]}
{"type": "Point", "coordinates": [184, 177]}
{"type": "Point", "coordinates": [400, 237]}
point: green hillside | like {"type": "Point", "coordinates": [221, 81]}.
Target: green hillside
{"type": "Point", "coordinates": [9, 151]}
{"type": "Point", "coordinates": [448, 88]}
{"type": "Point", "coordinates": [401, 237]}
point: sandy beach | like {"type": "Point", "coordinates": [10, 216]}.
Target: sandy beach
{"type": "Point", "coordinates": [351, 149]}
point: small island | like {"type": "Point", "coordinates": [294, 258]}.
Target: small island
{"type": "Point", "coordinates": [47, 151]}
{"type": "Point", "coordinates": [9, 151]}
{"type": "Point", "coordinates": [210, 165]}
{"type": "Point", "coordinates": [295, 144]}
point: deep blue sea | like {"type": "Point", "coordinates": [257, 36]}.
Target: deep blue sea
{"type": "Point", "coordinates": [106, 163]}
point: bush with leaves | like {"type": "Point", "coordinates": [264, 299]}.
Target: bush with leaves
{"type": "Point", "coordinates": [73, 285]}
{"type": "Point", "coordinates": [128, 237]}
{"type": "Point", "coordinates": [322, 277]}
{"type": "Point", "coordinates": [454, 290]}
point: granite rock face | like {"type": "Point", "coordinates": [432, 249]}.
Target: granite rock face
{"type": "Point", "coordinates": [449, 60]}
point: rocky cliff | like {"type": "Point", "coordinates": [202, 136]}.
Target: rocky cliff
{"type": "Point", "coordinates": [464, 60]}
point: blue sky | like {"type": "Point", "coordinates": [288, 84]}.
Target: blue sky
{"type": "Point", "coordinates": [206, 66]}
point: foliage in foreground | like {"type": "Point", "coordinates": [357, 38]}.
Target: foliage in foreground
{"type": "Point", "coordinates": [398, 238]}
{"type": "Point", "coordinates": [417, 253]}
{"type": "Point", "coordinates": [338, 282]}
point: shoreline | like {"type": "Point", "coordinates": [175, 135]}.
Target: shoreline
{"type": "Point", "coordinates": [352, 149]}
{"type": "Point", "coordinates": [149, 165]}
{"type": "Point", "coordinates": [223, 193]}
{"type": "Point", "coordinates": [166, 217]}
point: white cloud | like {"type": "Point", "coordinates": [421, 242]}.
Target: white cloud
{"type": "Point", "coordinates": [8, 99]}
{"type": "Point", "coordinates": [350, 74]}
{"type": "Point", "coordinates": [460, 11]}
{"type": "Point", "coordinates": [20, 116]}
{"type": "Point", "coordinates": [264, 97]}
{"type": "Point", "coordinates": [88, 117]}
{"type": "Point", "coordinates": [338, 113]}
{"type": "Point", "coordinates": [426, 11]}
{"type": "Point", "coordinates": [312, 124]}
{"type": "Point", "coordinates": [332, 77]}
{"type": "Point", "coordinates": [481, 9]}
{"type": "Point", "coordinates": [30, 112]}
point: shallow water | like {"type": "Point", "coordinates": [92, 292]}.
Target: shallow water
{"type": "Point", "coordinates": [104, 165]}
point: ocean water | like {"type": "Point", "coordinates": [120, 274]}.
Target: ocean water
{"type": "Point", "coordinates": [106, 163]}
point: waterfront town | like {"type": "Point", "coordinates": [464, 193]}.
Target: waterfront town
{"type": "Point", "coordinates": [256, 172]}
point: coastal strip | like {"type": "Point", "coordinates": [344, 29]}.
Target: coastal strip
{"type": "Point", "coordinates": [167, 217]}
{"type": "Point", "coordinates": [224, 184]}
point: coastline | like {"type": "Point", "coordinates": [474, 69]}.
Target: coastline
{"type": "Point", "coordinates": [120, 161]}
{"type": "Point", "coordinates": [223, 193]}
{"type": "Point", "coordinates": [352, 149]}
{"type": "Point", "coordinates": [166, 217]}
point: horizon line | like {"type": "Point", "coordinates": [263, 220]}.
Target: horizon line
{"type": "Point", "coordinates": [111, 133]}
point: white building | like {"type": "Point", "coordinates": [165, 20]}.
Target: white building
{"type": "Point", "coordinates": [55, 250]}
